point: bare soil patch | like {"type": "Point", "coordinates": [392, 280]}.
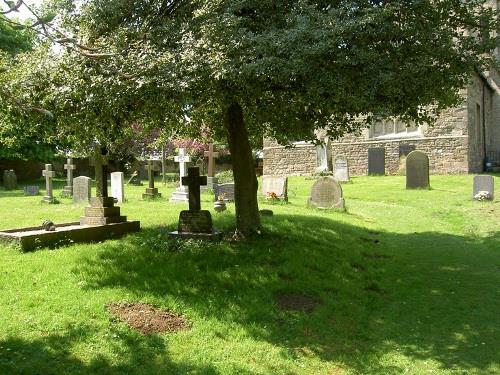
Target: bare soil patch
{"type": "Point", "coordinates": [297, 302]}
{"type": "Point", "coordinates": [148, 319]}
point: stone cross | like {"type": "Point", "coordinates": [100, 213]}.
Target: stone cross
{"type": "Point", "coordinates": [70, 167]}
{"type": "Point", "coordinates": [49, 174]}
{"type": "Point", "coordinates": [151, 174]}
{"type": "Point", "coordinates": [99, 161]}
{"type": "Point", "coordinates": [193, 181]}
{"type": "Point", "coordinates": [182, 159]}
{"type": "Point", "coordinates": [211, 155]}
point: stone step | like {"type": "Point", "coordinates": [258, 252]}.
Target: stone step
{"type": "Point", "coordinates": [102, 202]}
{"type": "Point", "coordinates": [102, 211]}
{"type": "Point", "coordinates": [89, 220]}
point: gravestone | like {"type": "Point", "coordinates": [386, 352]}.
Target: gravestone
{"type": "Point", "coordinates": [68, 189]}
{"type": "Point", "coordinates": [195, 223]}
{"type": "Point", "coordinates": [9, 180]}
{"type": "Point", "coordinates": [322, 158]}
{"type": "Point", "coordinates": [102, 210]}
{"type": "Point", "coordinates": [326, 193]}
{"type": "Point", "coordinates": [417, 170]}
{"type": "Point", "coordinates": [341, 168]}
{"type": "Point", "coordinates": [181, 193]}
{"type": "Point", "coordinates": [82, 189]}
{"type": "Point", "coordinates": [135, 179]}
{"type": "Point", "coordinates": [151, 191]}
{"type": "Point", "coordinates": [117, 186]}
{"type": "Point", "coordinates": [484, 183]}
{"type": "Point", "coordinates": [49, 174]}
{"type": "Point", "coordinates": [376, 161]}
{"type": "Point", "coordinates": [211, 155]}
{"type": "Point", "coordinates": [31, 190]}
{"type": "Point", "coordinates": [225, 190]}
{"type": "Point", "coordinates": [277, 185]}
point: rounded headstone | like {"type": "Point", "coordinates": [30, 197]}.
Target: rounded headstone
{"type": "Point", "coordinates": [417, 170]}
{"type": "Point", "coordinates": [326, 193]}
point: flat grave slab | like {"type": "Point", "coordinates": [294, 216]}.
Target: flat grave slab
{"type": "Point", "coordinates": [36, 237]}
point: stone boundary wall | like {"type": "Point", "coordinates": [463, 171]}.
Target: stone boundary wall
{"type": "Point", "coordinates": [447, 155]}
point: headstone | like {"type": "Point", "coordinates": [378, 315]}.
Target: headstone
{"type": "Point", "coordinates": [321, 158]}
{"type": "Point", "coordinates": [82, 188]}
{"type": "Point", "coordinates": [9, 180]}
{"type": "Point", "coordinates": [195, 223]}
{"type": "Point", "coordinates": [275, 184]}
{"type": "Point", "coordinates": [484, 184]}
{"type": "Point", "coordinates": [49, 174]}
{"type": "Point", "coordinates": [211, 155]}
{"type": "Point", "coordinates": [70, 167]}
{"type": "Point", "coordinates": [224, 190]}
{"type": "Point", "coordinates": [376, 161]}
{"type": "Point", "coordinates": [31, 190]}
{"type": "Point", "coordinates": [181, 193]}
{"type": "Point", "coordinates": [417, 170]}
{"type": "Point", "coordinates": [151, 191]}
{"type": "Point", "coordinates": [341, 168]}
{"type": "Point", "coordinates": [117, 186]}
{"type": "Point", "coordinates": [135, 179]}
{"type": "Point", "coordinates": [326, 193]}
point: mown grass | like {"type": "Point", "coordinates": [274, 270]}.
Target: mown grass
{"type": "Point", "coordinates": [409, 283]}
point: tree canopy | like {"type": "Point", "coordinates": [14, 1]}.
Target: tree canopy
{"type": "Point", "coordinates": [253, 68]}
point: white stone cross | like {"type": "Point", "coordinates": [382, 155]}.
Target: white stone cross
{"type": "Point", "coordinates": [182, 159]}
{"type": "Point", "coordinates": [49, 174]}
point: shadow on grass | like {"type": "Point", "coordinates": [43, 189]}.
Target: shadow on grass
{"type": "Point", "coordinates": [54, 355]}
{"type": "Point", "coordinates": [424, 296]}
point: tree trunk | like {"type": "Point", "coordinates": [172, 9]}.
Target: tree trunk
{"type": "Point", "coordinates": [245, 181]}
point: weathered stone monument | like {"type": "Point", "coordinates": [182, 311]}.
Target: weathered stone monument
{"type": "Point", "coordinates": [9, 180]}
{"type": "Point", "coordinates": [195, 223]}
{"type": "Point", "coordinates": [82, 189]}
{"type": "Point", "coordinates": [484, 188]}
{"type": "Point", "coordinates": [326, 193]}
{"type": "Point", "coordinates": [151, 191]}
{"type": "Point", "coordinates": [70, 167]}
{"type": "Point", "coordinates": [341, 168]}
{"type": "Point", "coordinates": [135, 179]}
{"type": "Point", "coordinates": [376, 161]}
{"type": "Point", "coordinates": [181, 193]}
{"type": "Point", "coordinates": [49, 174]}
{"type": "Point", "coordinates": [322, 158]}
{"type": "Point", "coordinates": [275, 185]}
{"type": "Point", "coordinates": [417, 170]}
{"type": "Point", "coordinates": [31, 190]}
{"type": "Point", "coordinates": [117, 186]}
{"type": "Point", "coordinates": [211, 155]}
{"type": "Point", "coordinates": [224, 190]}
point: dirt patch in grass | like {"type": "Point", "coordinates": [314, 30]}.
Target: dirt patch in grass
{"type": "Point", "coordinates": [297, 302]}
{"type": "Point", "coordinates": [148, 319]}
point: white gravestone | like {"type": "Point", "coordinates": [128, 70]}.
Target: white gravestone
{"type": "Point", "coordinates": [341, 168]}
{"type": "Point", "coordinates": [181, 193]}
{"type": "Point", "coordinates": [275, 184]}
{"type": "Point", "coordinates": [82, 189]}
{"type": "Point", "coordinates": [117, 186]}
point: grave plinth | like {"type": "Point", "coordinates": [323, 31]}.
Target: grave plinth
{"type": "Point", "coordinates": [195, 223]}
{"type": "Point", "coordinates": [102, 211]}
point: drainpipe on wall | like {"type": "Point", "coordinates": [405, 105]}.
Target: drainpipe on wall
{"type": "Point", "coordinates": [485, 157]}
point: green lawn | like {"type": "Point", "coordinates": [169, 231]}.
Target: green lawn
{"type": "Point", "coordinates": [409, 283]}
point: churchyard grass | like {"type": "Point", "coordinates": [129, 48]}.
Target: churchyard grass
{"type": "Point", "coordinates": [408, 283]}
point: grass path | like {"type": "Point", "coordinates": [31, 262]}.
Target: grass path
{"type": "Point", "coordinates": [409, 283]}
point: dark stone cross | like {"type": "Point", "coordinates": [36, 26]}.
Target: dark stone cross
{"type": "Point", "coordinates": [151, 174]}
{"type": "Point", "coordinates": [99, 161]}
{"type": "Point", "coordinates": [211, 155]}
{"type": "Point", "coordinates": [193, 180]}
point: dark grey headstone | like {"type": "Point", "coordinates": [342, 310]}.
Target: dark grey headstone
{"type": "Point", "coordinates": [82, 189]}
{"type": "Point", "coordinates": [275, 184]}
{"type": "Point", "coordinates": [32, 190]}
{"type": "Point", "coordinates": [326, 193]}
{"type": "Point", "coordinates": [417, 170]}
{"type": "Point", "coordinates": [484, 183]}
{"type": "Point", "coordinates": [376, 161]}
{"type": "Point", "coordinates": [195, 222]}
{"type": "Point", "coordinates": [227, 190]}
{"type": "Point", "coordinates": [341, 168]}
{"type": "Point", "coordinates": [9, 180]}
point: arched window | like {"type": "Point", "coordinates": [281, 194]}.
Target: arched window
{"type": "Point", "coordinates": [393, 128]}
